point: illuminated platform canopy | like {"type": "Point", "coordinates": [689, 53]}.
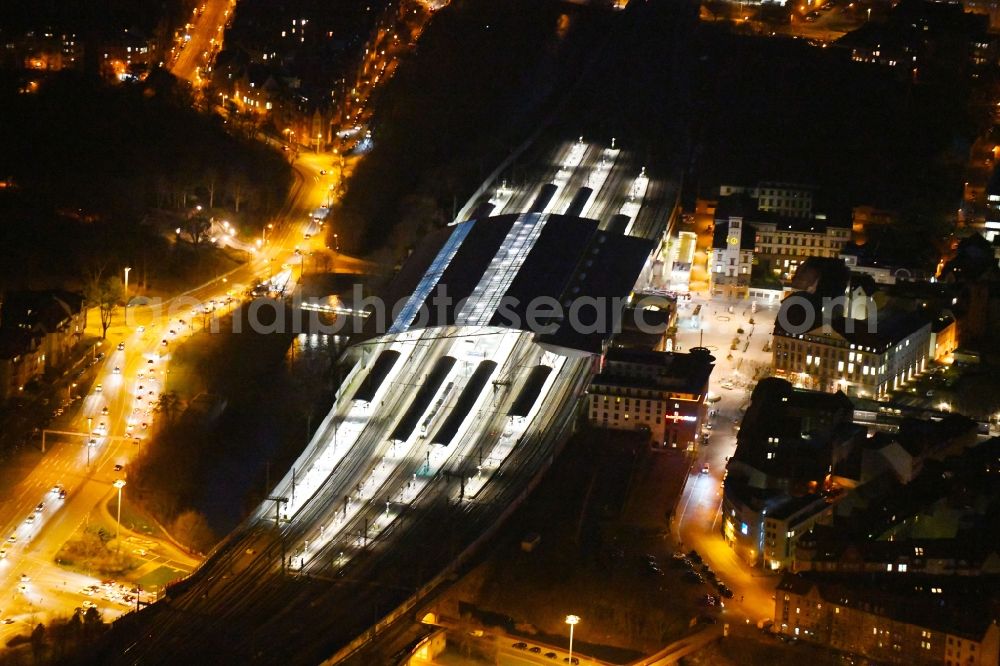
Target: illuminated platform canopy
{"type": "Point", "coordinates": [560, 277]}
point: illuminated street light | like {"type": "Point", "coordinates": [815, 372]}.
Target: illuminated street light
{"type": "Point", "coordinates": [119, 484]}
{"type": "Point", "coordinates": [572, 621]}
{"type": "Point", "coordinates": [127, 269]}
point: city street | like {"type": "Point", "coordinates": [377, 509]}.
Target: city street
{"type": "Point", "coordinates": [106, 426]}
{"type": "Point", "coordinates": [208, 22]}
{"type": "Point", "coordinates": [697, 518]}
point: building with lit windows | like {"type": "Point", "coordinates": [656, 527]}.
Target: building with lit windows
{"type": "Point", "coordinates": [865, 357]}
{"type": "Point", "coordinates": [783, 243]}
{"type": "Point", "coordinates": [732, 248]}
{"type": "Point", "coordinates": [38, 331]}
{"type": "Point", "coordinates": [787, 199]}
{"type": "Point", "coordinates": [891, 619]}
{"type": "Point", "coordinates": [777, 485]}
{"type": "Point", "coordinates": [659, 392]}
{"type": "Point", "coordinates": [778, 240]}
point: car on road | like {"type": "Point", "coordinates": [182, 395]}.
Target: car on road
{"type": "Point", "coordinates": [534, 649]}
{"type": "Point", "coordinates": [118, 467]}
{"type": "Point", "coordinates": [163, 342]}
{"type": "Point", "coordinates": [104, 412]}
{"type": "Point", "coordinates": [692, 577]}
{"type": "Point", "coordinates": [571, 660]}
{"type": "Point", "coordinates": [121, 346]}
{"type": "Point", "coordinates": [25, 578]}
{"type": "Point", "coordinates": [520, 646]}
{"type": "Point", "coordinates": [551, 655]}
{"type": "Point", "coordinates": [705, 469]}
{"type": "Point", "coordinates": [725, 591]}
{"type": "Point", "coordinates": [39, 507]}
{"type": "Point", "coordinates": [12, 538]}
{"type": "Point", "coordinates": [3, 553]}
{"type": "Point", "coordinates": [117, 370]}
{"type": "Point", "coordinates": [30, 520]}
{"type": "Point", "coordinates": [62, 493]}
{"type": "Point", "coordinates": [98, 388]}
{"type": "Point", "coordinates": [87, 603]}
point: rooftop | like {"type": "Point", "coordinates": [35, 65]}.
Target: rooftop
{"type": "Point", "coordinates": [682, 372]}
{"type": "Point", "coordinates": [963, 607]}
{"type": "Point", "coordinates": [499, 271]}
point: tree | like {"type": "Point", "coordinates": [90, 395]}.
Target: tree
{"type": "Point", "coordinates": [105, 293]}
{"type": "Point", "coordinates": [168, 405]}
{"type": "Point", "coordinates": [92, 624]}
{"type": "Point", "coordinates": [38, 642]}
{"type": "Point", "coordinates": [192, 529]}
{"type": "Point", "coordinates": [197, 226]}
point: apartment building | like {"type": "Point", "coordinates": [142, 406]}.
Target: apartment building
{"type": "Point", "coordinates": [789, 199]}
{"type": "Point", "coordinates": [926, 620]}
{"type": "Point", "coordinates": [782, 244]}
{"type": "Point", "coordinates": [659, 392]}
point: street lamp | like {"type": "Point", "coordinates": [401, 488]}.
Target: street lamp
{"type": "Point", "coordinates": [90, 438]}
{"type": "Point", "coordinates": [572, 621]}
{"type": "Point", "coordinates": [127, 269]}
{"type": "Point", "coordinates": [119, 484]}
